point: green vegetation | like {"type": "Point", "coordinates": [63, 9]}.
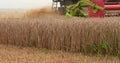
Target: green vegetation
{"type": "Point", "coordinates": [101, 48]}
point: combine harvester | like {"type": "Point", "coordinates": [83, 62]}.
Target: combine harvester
{"type": "Point", "coordinates": [93, 7]}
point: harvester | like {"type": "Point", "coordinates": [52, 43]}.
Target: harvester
{"type": "Point", "coordinates": [94, 8]}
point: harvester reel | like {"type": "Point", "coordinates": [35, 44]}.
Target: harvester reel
{"type": "Point", "coordinates": [92, 11]}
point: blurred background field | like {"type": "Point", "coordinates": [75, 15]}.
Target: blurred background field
{"type": "Point", "coordinates": [32, 13]}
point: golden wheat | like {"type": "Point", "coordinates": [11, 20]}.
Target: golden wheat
{"type": "Point", "coordinates": [75, 35]}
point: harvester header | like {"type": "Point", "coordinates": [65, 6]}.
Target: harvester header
{"type": "Point", "coordinates": [110, 7]}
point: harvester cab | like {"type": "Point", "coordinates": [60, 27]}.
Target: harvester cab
{"type": "Point", "coordinates": [60, 5]}
{"type": "Point", "coordinates": [111, 7]}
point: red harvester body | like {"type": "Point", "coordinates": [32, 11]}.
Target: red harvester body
{"type": "Point", "coordinates": [109, 8]}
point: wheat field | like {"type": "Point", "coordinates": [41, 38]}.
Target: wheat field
{"type": "Point", "coordinates": [75, 34]}
{"type": "Point", "coordinates": [45, 29]}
